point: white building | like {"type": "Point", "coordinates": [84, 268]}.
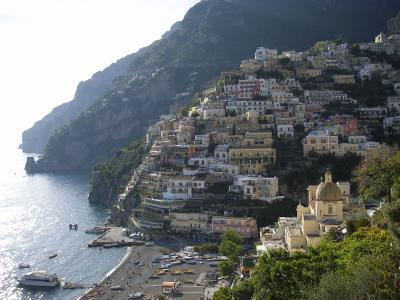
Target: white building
{"type": "Point", "coordinates": [393, 104]}
{"type": "Point", "coordinates": [221, 153]}
{"type": "Point", "coordinates": [256, 187]}
{"type": "Point", "coordinates": [357, 144]}
{"type": "Point", "coordinates": [396, 88]}
{"type": "Point", "coordinates": [179, 188]}
{"type": "Point", "coordinates": [264, 54]}
{"type": "Point", "coordinates": [320, 142]}
{"type": "Point", "coordinates": [202, 140]}
{"type": "Point", "coordinates": [292, 55]}
{"type": "Point", "coordinates": [323, 97]}
{"type": "Point", "coordinates": [284, 131]}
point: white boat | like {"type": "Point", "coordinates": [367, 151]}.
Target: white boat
{"type": "Point", "coordinates": [39, 279]}
{"type": "Point", "coordinates": [135, 295]}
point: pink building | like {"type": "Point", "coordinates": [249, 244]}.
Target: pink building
{"type": "Point", "coordinates": [245, 227]}
{"type": "Point", "coordinates": [349, 123]}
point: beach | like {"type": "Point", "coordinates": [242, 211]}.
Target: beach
{"type": "Point", "coordinates": [131, 277]}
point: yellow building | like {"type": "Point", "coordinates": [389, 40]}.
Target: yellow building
{"type": "Point", "coordinates": [252, 159]}
{"type": "Point", "coordinates": [324, 212]}
{"type": "Point", "coordinates": [257, 139]}
{"type": "Point", "coordinates": [344, 79]}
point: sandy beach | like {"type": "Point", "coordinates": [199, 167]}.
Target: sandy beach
{"type": "Point", "coordinates": [133, 278]}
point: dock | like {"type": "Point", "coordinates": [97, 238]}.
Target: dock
{"type": "Point", "coordinates": [114, 237]}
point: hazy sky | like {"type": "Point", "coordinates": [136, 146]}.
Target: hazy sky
{"type": "Point", "coordinates": [48, 46]}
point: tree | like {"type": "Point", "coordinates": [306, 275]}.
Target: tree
{"type": "Point", "coordinates": [195, 114]}
{"type": "Point", "coordinates": [185, 111]}
{"type": "Point", "coordinates": [358, 282]}
{"type": "Point", "coordinates": [206, 248]}
{"type": "Point", "coordinates": [223, 294]}
{"type": "Point", "coordinates": [243, 291]}
{"type": "Point", "coordinates": [231, 245]}
{"type": "Point", "coordinates": [377, 173]}
{"type": "Point", "coordinates": [233, 236]}
{"type": "Point", "coordinates": [226, 267]}
{"type": "Point", "coordinates": [392, 212]}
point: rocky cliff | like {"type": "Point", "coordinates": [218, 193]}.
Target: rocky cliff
{"type": "Point", "coordinates": [215, 35]}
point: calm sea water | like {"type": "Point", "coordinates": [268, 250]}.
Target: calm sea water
{"type": "Point", "coordinates": [34, 215]}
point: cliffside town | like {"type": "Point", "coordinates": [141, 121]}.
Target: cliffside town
{"type": "Point", "coordinates": [217, 164]}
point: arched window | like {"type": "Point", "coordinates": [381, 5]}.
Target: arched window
{"type": "Point", "coordinates": [330, 210]}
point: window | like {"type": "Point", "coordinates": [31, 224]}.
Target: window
{"type": "Point", "coordinates": [330, 210]}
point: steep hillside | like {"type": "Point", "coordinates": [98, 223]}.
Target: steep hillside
{"type": "Point", "coordinates": [87, 93]}
{"type": "Point", "coordinates": [214, 36]}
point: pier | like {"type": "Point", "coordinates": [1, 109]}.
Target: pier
{"type": "Point", "coordinates": [114, 237]}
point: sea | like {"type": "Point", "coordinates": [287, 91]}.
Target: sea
{"type": "Point", "coordinates": [35, 213]}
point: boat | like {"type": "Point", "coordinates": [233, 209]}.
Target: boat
{"type": "Point", "coordinates": [117, 288]}
{"type": "Point", "coordinates": [108, 246]}
{"type": "Point", "coordinates": [73, 226]}
{"type": "Point", "coordinates": [159, 273]}
{"type": "Point", "coordinates": [71, 286]}
{"type": "Point", "coordinates": [135, 295]}
{"type": "Point", "coordinates": [24, 266]}
{"type": "Point", "coordinates": [149, 244]}
{"type": "Point", "coordinates": [176, 272]}
{"type": "Point", "coordinates": [97, 230]}
{"type": "Point", "coordinates": [52, 255]}
{"type": "Point", "coordinates": [188, 281]}
{"type": "Point", "coordinates": [39, 279]}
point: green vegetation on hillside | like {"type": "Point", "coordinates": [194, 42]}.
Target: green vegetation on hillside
{"type": "Point", "coordinates": [363, 265]}
{"type": "Point", "coordinates": [110, 178]}
{"type": "Point", "coordinates": [379, 174]}
{"type": "Point", "coordinates": [393, 24]}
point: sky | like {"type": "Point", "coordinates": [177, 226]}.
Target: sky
{"type": "Point", "coordinates": [48, 46]}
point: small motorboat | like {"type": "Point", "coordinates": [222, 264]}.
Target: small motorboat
{"type": "Point", "coordinates": [51, 256]}
{"type": "Point", "coordinates": [135, 295]}
{"type": "Point", "coordinates": [73, 226]}
{"type": "Point", "coordinates": [24, 266]}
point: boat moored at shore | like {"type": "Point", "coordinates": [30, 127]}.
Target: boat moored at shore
{"type": "Point", "coordinates": [39, 279]}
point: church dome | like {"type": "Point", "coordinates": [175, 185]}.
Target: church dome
{"type": "Point", "coordinates": [328, 191]}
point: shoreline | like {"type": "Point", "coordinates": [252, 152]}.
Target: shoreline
{"type": "Point", "coordinates": [133, 277]}
{"type": "Point", "coordinates": [129, 252]}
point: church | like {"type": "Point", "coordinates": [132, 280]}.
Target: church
{"type": "Point", "coordinates": [324, 212]}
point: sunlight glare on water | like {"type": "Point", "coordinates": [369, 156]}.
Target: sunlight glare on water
{"type": "Point", "coordinates": [35, 211]}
